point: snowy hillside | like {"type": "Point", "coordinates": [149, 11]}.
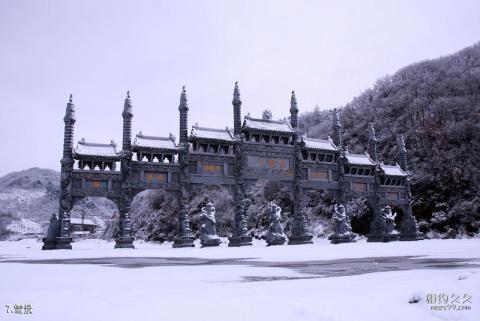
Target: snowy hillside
{"type": "Point", "coordinates": [28, 198]}
{"type": "Point", "coordinates": [435, 104]}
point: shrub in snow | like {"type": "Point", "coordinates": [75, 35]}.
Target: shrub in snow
{"type": "Point", "coordinates": [154, 215]}
{"type": "Point", "coordinates": [439, 220]}
{"type": "Point", "coordinates": [6, 218]}
{"type": "Point", "coordinates": [111, 229]}
{"type": "Point", "coordinates": [360, 214]}
{"type": "Point", "coordinates": [465, 215]}
{"type": "Point", "coordinates": [415, 298]}
{"type": "Point", "coordinates": [423, 226]}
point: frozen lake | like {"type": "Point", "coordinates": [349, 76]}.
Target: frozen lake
{"type": "Point", "coordinates": [360, 281]}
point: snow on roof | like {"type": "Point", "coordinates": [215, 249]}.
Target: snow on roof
{"type": "Point", "coordinates": [86, 221]}
{"type": "Point", "coordinates": [268, 125]}
{"type": "Point", "coordinates": [359, 159]}
{"type": "Point", "coordinates": [211, 133]}
{"type": "Point", "coordinates": [96, 149]}
{"type": "Point", "coordinates": [392, 170]}
{"type": "Point", "coordinates": [324, 144]}
{"type": "Point", "coordinates": [154, 142]}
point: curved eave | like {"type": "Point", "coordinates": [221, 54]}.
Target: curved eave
{"type": "Point", "coordinates": [320, 149]}
{"type": "Point", "coordinates": [394, 175]}
{"type": "Point", "coordinates": [137, 148]}
{"type": "Point", "coordinates": [193, 139]}
{"type": "Point", "coordinates": [96, 157]}
{"type": "Point", "coordinates": [268, 131]}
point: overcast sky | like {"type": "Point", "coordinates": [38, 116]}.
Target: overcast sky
{"type": "Point", "coordinates": [328, 51]}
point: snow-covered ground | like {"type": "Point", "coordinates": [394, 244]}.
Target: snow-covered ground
{"type": "Point", "coordinates": [155, 282]}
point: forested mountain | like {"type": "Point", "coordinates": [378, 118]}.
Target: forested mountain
{"type": "Point", "coordinates": [435, 104]}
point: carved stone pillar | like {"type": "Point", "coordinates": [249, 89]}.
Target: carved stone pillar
{"type": "Point", "coordinates": [185, 236]}
{"type": "Point", "coordinates": [293, 111]}
{"type": "Point", "coordinates": [239, 235]}
{"type": "Point", "coordinates": [372, 143]}
{"type": "Point", "coordinates": [61, 228]}
{"type": "Point", "coordinates": [409, 227]}
{"type": "Point", "coordinates": [64, 240]}
{"type": "Point", "coordinates": [337, 130]}
{"type": "Point", "coordinates": [341, 162]}
{"type": "Point", "coordinates": [377, 225]}
{"type": "Point", "coordinates": [299, 233]}
{"type": "Point", "coordinates": [124, 239]}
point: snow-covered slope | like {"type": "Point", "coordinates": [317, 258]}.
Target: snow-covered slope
{"type": "Point", "coordinates": [28, 198]}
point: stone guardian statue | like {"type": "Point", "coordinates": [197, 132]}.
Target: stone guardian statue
{"type": "Point", "coordinates": [275, 235]}
{"type": "Point", "coordinates": [49, 242]}
{"type": "Point", "coordinates": [209, 235]}
{"type": "Point", "coordinates": [342, 229]}
{"type": "Point", "coordinates": [389, 217]}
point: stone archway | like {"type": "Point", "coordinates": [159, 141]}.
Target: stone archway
{"type": "Point", "coordinates": [153, 214]}
{"type": "Point", "coordinates": [100, 211]}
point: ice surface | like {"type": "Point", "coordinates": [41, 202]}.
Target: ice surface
{"type": "Point", "coordinates": [219, 292]}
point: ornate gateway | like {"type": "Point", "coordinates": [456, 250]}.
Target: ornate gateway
{"type": "Point", "coordinates": [258, 148]}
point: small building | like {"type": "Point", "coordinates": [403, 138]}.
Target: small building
{"type": "Point", "coordinates": [82, 227]}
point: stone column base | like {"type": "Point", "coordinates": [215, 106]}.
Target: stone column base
{"type": "Point", "coordinates": [239, 241]}
{"type": "Point", "coordinates": [391, 237]}
{"type": "Point", "coordinates": [342, 238]}
{"type": "Point", "coordinates": [411, 237]}
{"type": "Point", "coordinates": [210, 242]}
{"type": "Point", "coordinates": [279, 241]}
{"type": "Point", "coordinates": [375, 237]}
{"type": "Point", "coordinates": [49, 244]}
{"type": "Point", "coordinates": [63, 243]}
{"type": "Point", "coordinates": [183, 241]}
{"type": "Point", "coordinates": [300, 239]}
{"type": "Point", "coordinates": [124, 243]}
{"type": "Point", "coordinates": [382, 237]}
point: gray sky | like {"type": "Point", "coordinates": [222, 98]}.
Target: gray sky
{"type": "Point", "coordinates": [328, 51]}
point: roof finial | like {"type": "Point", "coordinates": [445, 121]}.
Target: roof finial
{"type": "Point", "coordinates": [236, 95]}
{"type": "Point", "coordinates": [183, 100]}
{"type": "Point", "coordinates": [70, 112]}
{"type": "Point", "coordinates": [336, 117]}
{"type": "Point", "coordinates": [127, 106]}
{"type": "Point", "coordinates": [401, 142]}
{"type": "Point", "coordinates": [293, 103]}
{"type": "Point", "coordinates": [371, 132]}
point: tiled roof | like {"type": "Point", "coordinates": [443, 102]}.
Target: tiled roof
{"type": "Point", "coordinates": [267, 125]}
{"type": "Point", "coordinates": [154, 142]}
{"type": "Point", "coordinates": [95, 149]}
{"type": "Point", "coordinates": [393, 170]}
{"type": "Point", "coordinates": [211, 133]}
{"type": "Point", "coordinates": [323, 144]}
{"type": "Point", "coordinates": [359, 159]}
